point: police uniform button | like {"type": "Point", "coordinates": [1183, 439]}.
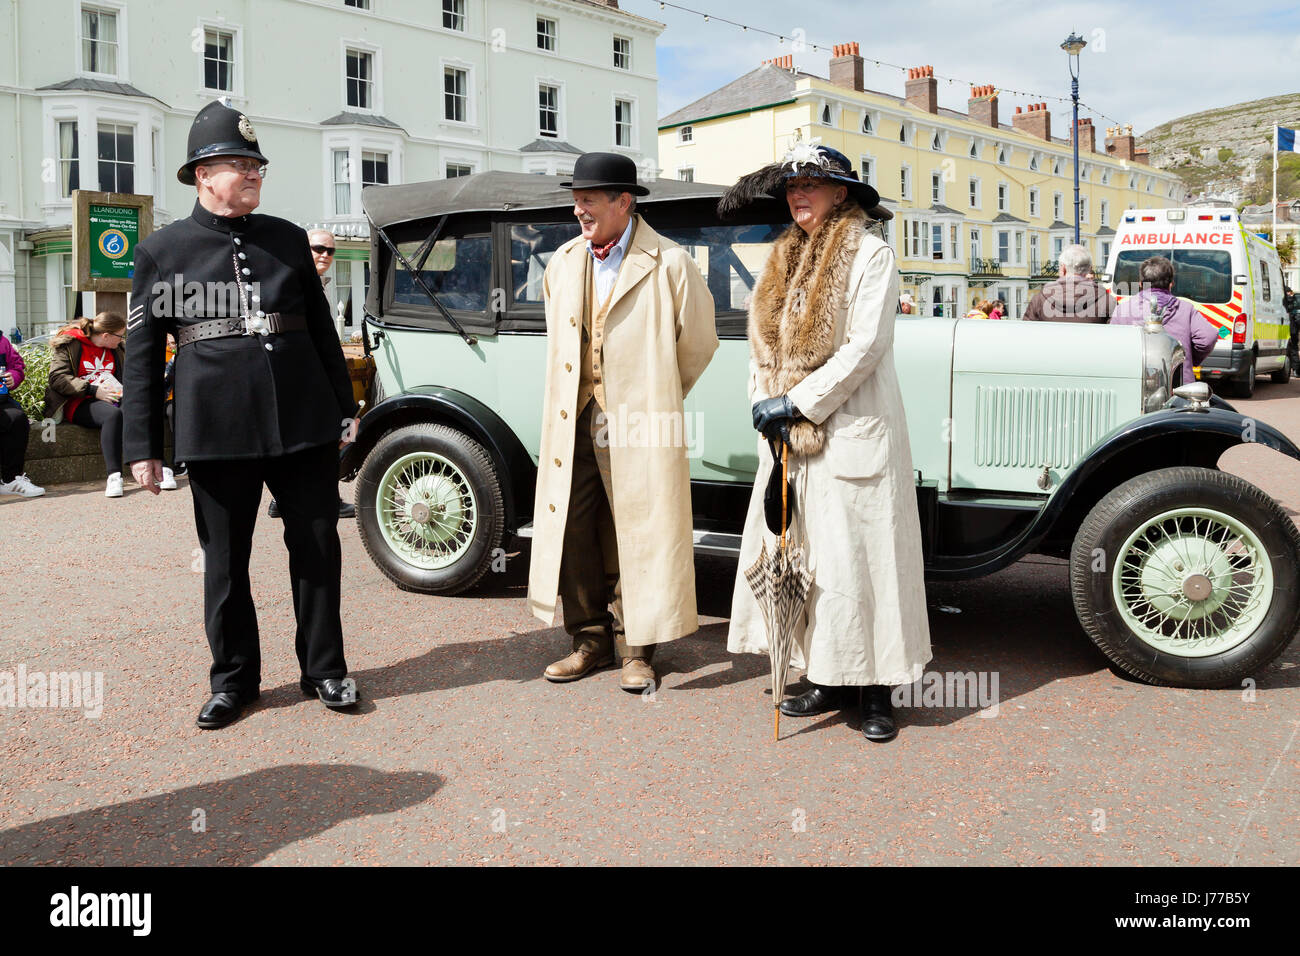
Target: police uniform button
{"type": "Point", "coordinates": [238, 241]}
{"type": "Point", "coordinates": [246, 271]}
{"type": "Point", "coordinates": [243, 255]}
{"type": "Point", "coordinates": [268, 346]}
{"type": "Point", "coordinates": [261, 314]}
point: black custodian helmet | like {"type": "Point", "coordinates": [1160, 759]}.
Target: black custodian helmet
{"type": "Point", "coordinates": [218, 130]}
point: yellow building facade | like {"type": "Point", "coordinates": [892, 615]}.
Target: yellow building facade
{"type": "Point", "coordinates": [982, 209]}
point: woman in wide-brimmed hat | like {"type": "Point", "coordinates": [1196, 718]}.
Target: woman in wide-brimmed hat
{"type": "Point", "coordinates": [821, 328]}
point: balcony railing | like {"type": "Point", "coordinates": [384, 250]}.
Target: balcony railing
{"type": "Point", "coordinates": [985, 267]}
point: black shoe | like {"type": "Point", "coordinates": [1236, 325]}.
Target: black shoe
{"type": "Point", "coordinates": [347, 509]}
{"type": "Point", "coordinates": [179, 469]}
{"type": "Point", "coordinates": [814, 701]}
{"type": "Point", "coordinates": [273, 510]}
{"type": "Point", "coordinates": [878, 714]}
{"type": "Point", "coordinates": [332, 691]}
{"type": "Point", "coordinates": [224, 708]}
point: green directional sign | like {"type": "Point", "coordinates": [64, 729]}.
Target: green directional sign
{"type": "Point", "coordinates": [112, 232]}
{"type": "Point", "coordinates": [106, 228]}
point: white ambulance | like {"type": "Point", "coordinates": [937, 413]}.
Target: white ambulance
{"type": "Point", "coordinates": [1232, 276]}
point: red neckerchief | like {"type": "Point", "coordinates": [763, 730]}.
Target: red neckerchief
{"type": "Point", "coordinates": [600, 252]}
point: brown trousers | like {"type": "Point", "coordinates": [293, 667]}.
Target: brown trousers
{"type": "Point", "coordinates": [590, 591]}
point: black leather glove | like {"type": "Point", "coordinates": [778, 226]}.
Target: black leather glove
{"type": "Point", "coordinates": [772, 417]}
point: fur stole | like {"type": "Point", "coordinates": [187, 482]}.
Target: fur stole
{"type": "Point", "coordinates": [792, 313]}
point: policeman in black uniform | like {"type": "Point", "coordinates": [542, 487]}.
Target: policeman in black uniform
{"type": "Point", "coordinates": [262, 396]}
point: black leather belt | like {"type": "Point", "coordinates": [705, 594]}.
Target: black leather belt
{"type": "Point", "coordinates": [223, 328]}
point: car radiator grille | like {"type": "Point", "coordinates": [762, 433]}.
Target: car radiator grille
{"type": "Point", "coordinates": [1032, 427]}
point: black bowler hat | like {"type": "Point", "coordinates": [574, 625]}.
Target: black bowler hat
{"type": "Point", "coordinates": [605, 171]}
{"type": "Point", "coordinates": [219, 130]}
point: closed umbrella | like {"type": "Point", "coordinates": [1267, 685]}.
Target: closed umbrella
{"type": "Point", "coordinates": [780, 581]}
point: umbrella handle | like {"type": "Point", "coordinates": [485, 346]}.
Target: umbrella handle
{"type": "Point", "coordinates": [785, 451]}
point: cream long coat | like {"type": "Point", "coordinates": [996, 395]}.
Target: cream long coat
{"type": "Point", "coordinates": [857, 516]}
{"type": "Point", "coordinates": [659, 337]}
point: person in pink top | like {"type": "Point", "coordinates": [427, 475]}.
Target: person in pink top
{"type": "Point", "coordinates": [14, 426]}
{"type": "Point", "coordinates": [1180, 318]}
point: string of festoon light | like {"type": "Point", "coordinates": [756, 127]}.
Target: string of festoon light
{"type": "Point", "coordinates": [819, 46]}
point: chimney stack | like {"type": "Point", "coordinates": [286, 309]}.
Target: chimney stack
{"type": "Point", "coordinates": [922, 89]}
{"type": "Point", "coordinates": [1034, 121]}
{"type": "Point", "coordinates": [1119, 143]}
{"type": "Point", "coordinates": [983, 105]}
{"type": "Point", "coordinates": [782, 62]}
{"type": "Point", "coordinates": [1087, 136]}
{"type": "Point", "coordinates": [846, 66]}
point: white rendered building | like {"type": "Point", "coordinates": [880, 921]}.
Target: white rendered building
{"type": "Point", "coordinates": [100, 94]}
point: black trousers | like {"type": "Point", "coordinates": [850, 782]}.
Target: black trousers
{"type": "Point", "coordinates": [14, 428]}
{"type": "Point", "coordinates": [227, 498]}
{"type": "Point", "coordinates": [107, 417]}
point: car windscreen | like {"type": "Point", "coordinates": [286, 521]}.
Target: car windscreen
{"type": "Point", "coordinates": [458, 270]}
{"type": "Point", "coordinates": [1201, 275]}
{"type": "Point", "coordinates": [729, 257]}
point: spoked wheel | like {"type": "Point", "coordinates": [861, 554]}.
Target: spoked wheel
{"type": "Point", "coordinates": [429, 508]}
{"type": "Point", "coordinates": [1188, 576]}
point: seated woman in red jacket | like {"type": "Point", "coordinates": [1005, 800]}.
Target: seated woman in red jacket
{"type": "Point", "coordinates": [86, 363]}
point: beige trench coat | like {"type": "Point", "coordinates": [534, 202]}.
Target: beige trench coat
{"type": "Point", "coordinates": [857, 518]}
{"type": "Point", "coordinates": [659, 337]}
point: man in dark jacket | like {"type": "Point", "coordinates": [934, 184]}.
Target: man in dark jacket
{"type": "Point", "coordinates": [261, 397]}
{"type": "Point", "coordinates": [1074, 297]}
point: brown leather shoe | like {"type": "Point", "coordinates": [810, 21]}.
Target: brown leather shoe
{"type": "Point", "coordinates": [637, 675]}
{"type": "Point", "coordinates": [588, 656]}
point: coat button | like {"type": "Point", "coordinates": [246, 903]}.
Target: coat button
{"type": "Point", "coordinates": [243, 255]}
{"type": "Point", "coordinates": [563, 413]}
{"type": "Point", "coordinates": [552, 507]}
{"type": "Point", "coordinates": [568, 367]}
{"type": "Point", "coordinates": [268, 346]}
{"type": "Point", "coordinates": [246, 271]}
{"type": "Point", "coordinates": [572, 320]}
{"type": "Point", "coordinates": [238, 241]}
{"type": "Point", "coordinates": [557, 463]}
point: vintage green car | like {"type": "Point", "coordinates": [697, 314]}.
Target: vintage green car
{"type": "Point", "coordinates": [1047, 438]}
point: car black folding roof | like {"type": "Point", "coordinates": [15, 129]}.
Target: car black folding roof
{"type": "Point", "coordinates": [499, 192]}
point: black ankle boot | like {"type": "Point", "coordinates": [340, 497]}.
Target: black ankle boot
{"type": "Point", "coordinates": [816, 700]}
{"type": "Point", "coordinates": [878, 714]}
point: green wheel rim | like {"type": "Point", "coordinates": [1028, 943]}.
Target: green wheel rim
{"type": "Point", "coordinates": [1193, 582]}
{"type": "Point", "coordinates": [427, 510]}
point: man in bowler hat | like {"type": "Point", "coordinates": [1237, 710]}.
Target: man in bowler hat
{"type": "Point", "coordinates": [630, 328]}
{"type": "Point", "coordinates": [262, 396]}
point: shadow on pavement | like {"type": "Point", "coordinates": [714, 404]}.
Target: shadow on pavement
{"type": "Point", "coordinates": [247, 818]}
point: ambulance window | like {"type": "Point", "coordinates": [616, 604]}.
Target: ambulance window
{"type": "Point", "coordinates": [1263, 276]}
{"type": "Point", "coordinates": [1203, 275]}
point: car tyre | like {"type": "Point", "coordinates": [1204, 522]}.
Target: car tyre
{"type": "Point", "coordinates": [1244, 387]}
{"type": "Point", "coordinates": [429, 508]}
{"type": "Point", "coordinates": [1282, 375]}
{"type": "Point", "coordinates": [1192, 529]}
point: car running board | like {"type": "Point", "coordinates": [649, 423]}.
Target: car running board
{"type": "Point", "coordinates": [706, 542]}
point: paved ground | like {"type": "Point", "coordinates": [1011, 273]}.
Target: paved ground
{"type": "Point", "coordinates": [462, 753]}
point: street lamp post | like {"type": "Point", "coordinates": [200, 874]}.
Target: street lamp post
{"type": "Point", "coordinates": [1073, 45]}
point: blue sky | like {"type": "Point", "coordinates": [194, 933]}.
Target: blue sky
{"type": "Point", "coordinates": [1144, 65]}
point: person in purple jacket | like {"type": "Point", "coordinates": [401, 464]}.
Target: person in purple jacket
{"type": "Point", "coordinates": [14, 426]}
{"type": "Point", "coordinates": [1181, 319]}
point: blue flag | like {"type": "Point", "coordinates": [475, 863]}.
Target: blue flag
{"type": "Point", "coordinates": [1285, 139]}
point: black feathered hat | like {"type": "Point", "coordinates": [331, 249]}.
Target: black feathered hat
{"type": "Point", "coordinates": [766, 186]}
{"type": "Point", "coordinates": [218, 130]}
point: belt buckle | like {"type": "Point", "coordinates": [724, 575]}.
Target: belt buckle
{"type": "Point", "coordinates": [257, 324]}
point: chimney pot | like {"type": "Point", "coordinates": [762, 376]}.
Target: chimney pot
{"type": "Point", "coordinates": [1034, 121]}
{"type": "Point", "coordinates": [922, 89]}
